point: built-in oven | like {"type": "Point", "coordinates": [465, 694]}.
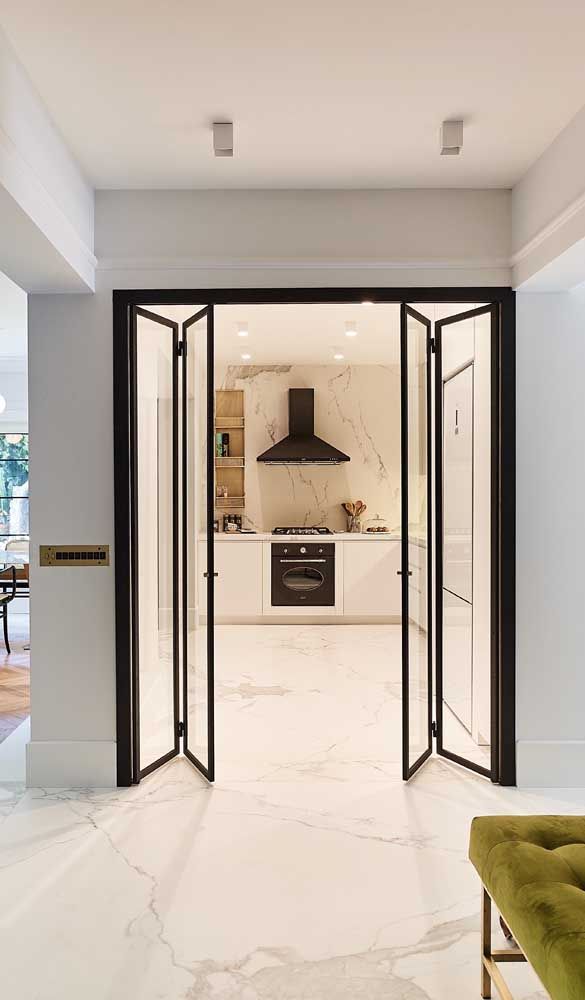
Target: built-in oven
{"type": "Point", "coordinates": [303, 574]}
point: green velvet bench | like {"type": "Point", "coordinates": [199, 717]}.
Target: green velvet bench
{"type": "Point", "coordinates": [533, 868]}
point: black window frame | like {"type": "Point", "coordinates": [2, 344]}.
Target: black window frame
{"type": "Point", "coordinates": [4, 496]}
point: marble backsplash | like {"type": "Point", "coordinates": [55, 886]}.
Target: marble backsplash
{"type": "Point", "coordinates": [357, 409]}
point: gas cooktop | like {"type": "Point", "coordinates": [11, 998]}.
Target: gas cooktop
{"type": "Point", "coordinates": [302, 531]}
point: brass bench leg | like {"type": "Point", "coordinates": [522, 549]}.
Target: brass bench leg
{"type": "Point", "coordinates": [490, 957]}
{"type": "Point", "coordinates": [486, 943]}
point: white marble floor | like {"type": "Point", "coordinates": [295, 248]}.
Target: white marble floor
{"type": "Point", "coordinates": [309, 872]}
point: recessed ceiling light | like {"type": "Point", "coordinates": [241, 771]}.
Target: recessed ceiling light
{"type": "Point", "coordinates": [338, 357]}
{"type": "Point", "coordinates": [242, 329]}
{"type": "Point", "coordinates": [351, 329]}
{"type": "Point", "coordinates": [246, 357]}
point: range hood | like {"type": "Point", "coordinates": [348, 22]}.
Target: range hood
{"type": "Point", "coordinates": [302, 447]}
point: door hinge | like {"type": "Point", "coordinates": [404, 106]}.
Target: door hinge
{"type": "Point", "coordinates": [180, 728]}
{"type": "Point", "coordinates": [434, 729]}
{"type": "Point", "coordinates": [181, 348]}
{"type": "Point", "coordinates": [432, 345]}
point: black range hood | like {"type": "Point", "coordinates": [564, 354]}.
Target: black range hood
{"type": "Point", "coordinates": [302, 447]}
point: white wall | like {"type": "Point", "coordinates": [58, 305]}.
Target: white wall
{"type": "Point", "coordinates": [550, 539]}
{"type": "Point", "coordinates": [47, 205]}
{"type": "Point", "coordinates": [548, 210]}
{"type": "Point", "coordinates": [72, 500]}
{"type": "Point", "coordinates": [398, 237]}
{"type": "Point", "coordinates": [164, 240]}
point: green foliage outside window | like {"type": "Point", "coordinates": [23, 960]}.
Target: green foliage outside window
{"type": "Point", "coordinates": [14, 484]}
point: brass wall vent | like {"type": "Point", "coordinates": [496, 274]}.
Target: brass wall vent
{"type": "Point", "coordinates": [75, 555]}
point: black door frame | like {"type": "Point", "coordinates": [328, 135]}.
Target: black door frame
{"type": "Point", "coordinates": [406, 311]}
{"type": "Point", "coordinates": [493, 771]}
{"type": "Point", "coordinates": [207, 770]}
{"type": "Point", "coordinates": [173, 327]}
{"type": "Point", "coordinates": [502, 297]}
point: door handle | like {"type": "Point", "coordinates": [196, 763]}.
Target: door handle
{"type": "Point", "coordinates": [304, 561]}
{"type": "Point", "coordinates": [399, 572]}
{"type": "Point", "coordinates": [210, 574]}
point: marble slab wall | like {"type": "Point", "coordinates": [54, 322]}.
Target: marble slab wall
{"type": "Point", "coordinates": [357, 409]}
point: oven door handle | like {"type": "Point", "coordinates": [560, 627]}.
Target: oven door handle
{"type": "Point", "coordinates": [302, 560]}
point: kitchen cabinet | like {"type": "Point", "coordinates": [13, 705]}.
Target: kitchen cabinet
{"type": "Point", "coordinates": [371, 585]}
{"type": "Point", "coordinates": [457, 656]}
{"type": "Point", "coordinates": [238, 585]}
{"type": "Point", "coordinates": [418, 583]}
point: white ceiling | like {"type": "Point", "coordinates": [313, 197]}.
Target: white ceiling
{"type": "Point", "coordinates": [303, 334]}
{"type": "Point", "coordinates": [308, 334]}
{"type": "Point", "coordinates": [323, 93]}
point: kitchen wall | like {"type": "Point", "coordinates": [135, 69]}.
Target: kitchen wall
{"type": "Point", "coordinates": [357, 409]}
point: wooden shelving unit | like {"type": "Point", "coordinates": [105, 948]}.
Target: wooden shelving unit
{"type": "Point", "coordinates": [230, 470]}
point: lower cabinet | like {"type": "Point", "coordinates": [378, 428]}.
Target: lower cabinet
{"type": "Point", "coordinates": [418, 584]}
{"type": "Point", "coordinates": [238, 585]}
{"type": "Point", "coordinates": [457, 656]}
{"type": "Point", "coordinates": [371, 585]}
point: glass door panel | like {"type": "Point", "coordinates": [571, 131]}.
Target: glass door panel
{"type": "Point", "coordinates": [415, 348]}
{"type": "Point", "coordinates": [198, 474]}
{"type": "Point", "coordinates": [155, 610]}
{"type": "Point", "coordinates": [466, 582]}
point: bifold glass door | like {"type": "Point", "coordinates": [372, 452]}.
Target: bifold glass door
{"type": "Point", "coordinates": [172, 487]}
{"type": "Point", "coordinates": [155, 611]}
{"type": "Point", "coordinates": [415, 350]}
{"type": "Point", "coordinates": [198, 486]}
{"type": "Point", "coordinates": [449, 538]}
{"type": "Point", "coordinates": [466, 517]}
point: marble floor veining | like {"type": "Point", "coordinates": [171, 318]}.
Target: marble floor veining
{"type": "Point", "coordinates": [308, 872]}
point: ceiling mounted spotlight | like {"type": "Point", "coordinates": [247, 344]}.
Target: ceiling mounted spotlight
{"type": "Point", "coordinates": [451, 138]}
{"type": "Point", "coordinates": [242, 329]}
{"type": "Point", "coordinates": [223, 138]}
{"type": "Point", "coordinates": [351, 329]}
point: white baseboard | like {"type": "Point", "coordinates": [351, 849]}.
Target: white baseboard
{"type": "Point", "coordinates": [550, 763]}
{"type": "Point", "coordinates": [71, 763]}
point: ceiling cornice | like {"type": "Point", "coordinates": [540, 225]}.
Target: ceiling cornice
{"type": "Point", "coordinates": [284, 263]}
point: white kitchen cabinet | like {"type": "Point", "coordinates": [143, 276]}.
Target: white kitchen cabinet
{"type": "Point", "coordinates": [238, 585]}
{"type": "Point", "coordinates": [371, 585]}
{"type": "Point", "coordinates": [418, 583]}
{"type": "Point", "coordinates": [457, 656]}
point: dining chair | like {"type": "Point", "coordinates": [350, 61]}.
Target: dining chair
{"type": "Point", "coordinates": [6, 596]}
{"type": "Point", "coordinates": [22, 576]}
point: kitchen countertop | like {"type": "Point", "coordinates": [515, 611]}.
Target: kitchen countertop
{"type": "Point", "coordinates": [338, 536]}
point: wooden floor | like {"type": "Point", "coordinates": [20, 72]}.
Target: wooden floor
{"type": "Point", "coordinates": [14, 677]}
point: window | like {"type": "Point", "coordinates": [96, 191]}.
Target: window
{"type": "Point", "coordinates": [13, 487]}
